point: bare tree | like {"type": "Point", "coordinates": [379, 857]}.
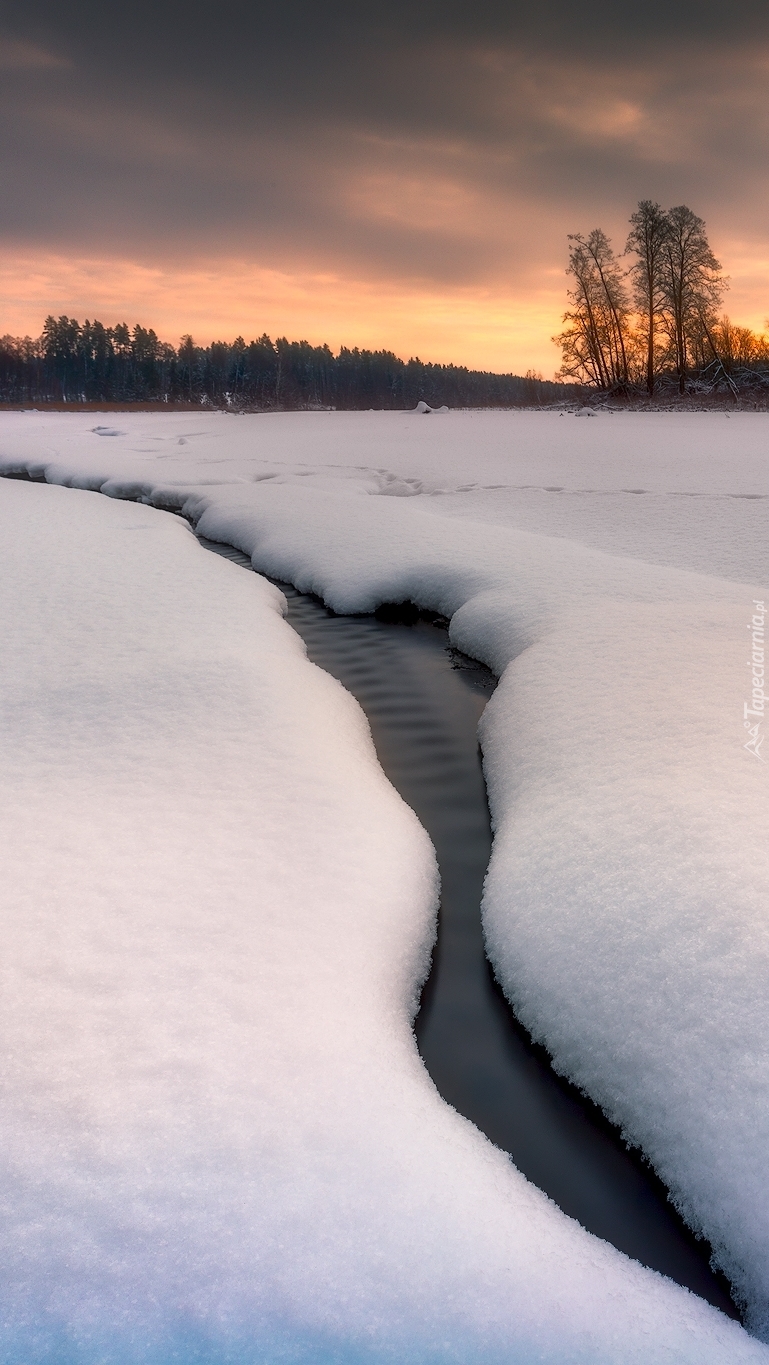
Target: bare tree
{"type": "Point", "coordinates": [692, 288]}
{"type": "Point", "coordinates": [647, 238]}
{"type": "Point", "coordinates": [739, 347]}
{"type": "Point", "coordinates": [594, 344]}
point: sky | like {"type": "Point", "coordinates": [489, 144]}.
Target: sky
{"type": "Point", "coordinates": [399, 175]}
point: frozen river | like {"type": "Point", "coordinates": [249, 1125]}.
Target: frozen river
{"type": "Point", "coordinates": [214, 969]}
{"type": "Point", "coordinates": [423, 701]}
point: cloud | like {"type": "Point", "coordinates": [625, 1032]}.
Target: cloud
{"type": "Point", "coordinates": [426, 150]}
{"type": "Point", "coordinates": [16, 54]}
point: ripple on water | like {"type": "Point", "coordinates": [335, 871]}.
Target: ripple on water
{"type": "Point", "coordinates": [423, 701]}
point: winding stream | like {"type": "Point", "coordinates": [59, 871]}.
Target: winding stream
{"type": "Point", "coordinates": [423, 701]}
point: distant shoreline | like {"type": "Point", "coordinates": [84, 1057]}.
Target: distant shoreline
{"type": "Point", "coordinates": [591, 403]}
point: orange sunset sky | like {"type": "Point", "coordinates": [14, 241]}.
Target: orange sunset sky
{"type": "Point", "coordinates": [363, 175]}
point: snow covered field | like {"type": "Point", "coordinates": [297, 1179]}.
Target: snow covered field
{"type": "Point", "coordinates": [218, 1130]}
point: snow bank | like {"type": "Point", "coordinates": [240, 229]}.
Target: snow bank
{"type": "Point", "coordinates": [625, 907]}
{"type": "Point", "coordinates": [682, 489]}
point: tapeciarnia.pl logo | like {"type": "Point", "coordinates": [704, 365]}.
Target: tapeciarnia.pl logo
{"type": "Point", "coordinates": [753, 712]}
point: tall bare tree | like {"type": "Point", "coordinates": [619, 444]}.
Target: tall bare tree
{"type": "Point", "coordinates": [692, 288]}
{"type": "Point", "coordinates": [594, 344]}
{"type": "Point", "coordinates": [647, 239]}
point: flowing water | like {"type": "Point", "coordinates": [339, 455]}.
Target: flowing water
{"type": "Point", "coordinates": [423, 701]}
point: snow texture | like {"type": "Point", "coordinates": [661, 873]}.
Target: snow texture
{"type": "Point", "coordinates": [218, 1132]}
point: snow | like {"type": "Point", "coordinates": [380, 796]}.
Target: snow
{"type": "Point", "coordinates": [219, 1132]}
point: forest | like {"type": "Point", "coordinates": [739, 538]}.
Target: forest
{"type": "Point", "coordinates": [648, 320]}
{"type": "Point", "coordinates": [639, 324]}
{"type": "Point", "coordinates": [76, 363]}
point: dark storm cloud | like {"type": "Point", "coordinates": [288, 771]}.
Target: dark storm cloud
{"type": "Point", "coordinates": [421, 140]}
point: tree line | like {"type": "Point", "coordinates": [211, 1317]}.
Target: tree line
{"type": "Point", "coordinates": [650, 317]}
{"type": "Point", "coordinates": [73, 362]}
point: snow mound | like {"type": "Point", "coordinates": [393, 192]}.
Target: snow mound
{"type": "Point", "coordinates": [218, 1139]}
{"type": "Point", "coordinates": [626, 900]}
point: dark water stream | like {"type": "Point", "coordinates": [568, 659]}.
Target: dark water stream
{"type": "Point", "coordinates": [423, 701]}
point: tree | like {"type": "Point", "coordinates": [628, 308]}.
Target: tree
{"type": "Point", "coordinates": [739, 347]}
{"type": "Point", "coordinates": [188, 361]}
{"type": "Point", "coordinates": [60, 343]}
{"type": "Point", "coordinates": [648, 238]}
{"type": "Point", "coordinates": [594, 344]}
{"type": "Point", "coordinates": [692, 286]}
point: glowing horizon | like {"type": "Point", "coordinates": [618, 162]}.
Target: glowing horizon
{"type": "Point", "coordinates": [466, 326]}
{"type": "Point", "coordinates": [322, 175]}
{"type": "Point", "coordinates": [474, 326]}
